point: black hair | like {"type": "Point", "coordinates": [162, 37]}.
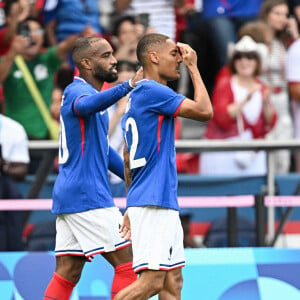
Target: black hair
{"type": "Point", "coordinates": [82, 47]}
{"type": "Point", "coordinates": [147, 42]}
{"type": "Point", "coordinates": [119, 21]}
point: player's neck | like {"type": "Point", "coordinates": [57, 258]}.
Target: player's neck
{"type": "Point", "coordinates": [92, 81]}
{"type": "Point", "coordinates": [154, 76]}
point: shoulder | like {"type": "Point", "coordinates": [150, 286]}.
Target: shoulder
{"type": "Point", "coordinates": [11, 125]}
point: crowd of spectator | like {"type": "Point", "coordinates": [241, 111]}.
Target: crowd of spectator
{"type": "Point", "coordinates": [248, 55]}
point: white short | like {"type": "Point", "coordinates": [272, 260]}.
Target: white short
{"type": "Point", "coordinates": [89, 233]}
{"type": "Point", "coordinates": [157, 238]}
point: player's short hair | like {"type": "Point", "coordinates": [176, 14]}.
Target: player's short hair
{"type": "Point", "coordinates": [83, 49]}
{"type": "Point", "coordinates": [149, 42]}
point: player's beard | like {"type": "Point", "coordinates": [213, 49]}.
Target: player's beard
{"type": "Point", "coordinates": [104, 75]}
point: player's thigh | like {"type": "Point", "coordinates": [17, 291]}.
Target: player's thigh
{"type": "Point", "coordinates": [172, 285]}
{"type": "Point", "coordinates": [118, 257]}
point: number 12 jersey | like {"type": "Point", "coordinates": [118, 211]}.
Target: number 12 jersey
{"type": "Point", "coordinates": [148, 129]}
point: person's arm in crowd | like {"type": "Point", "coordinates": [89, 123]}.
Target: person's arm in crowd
{"type": "Point", "coordinates": [269, 112]}
{"type": "Point", "coordinates": [86, 105]}
{"type": "Point", "coordinates": [179, 3]}
{"type": "Point", "coordinates": [200, 108]}
{"type": "Point", "coordinates": [19, 11]}
{"type": "Point", "coordinates": [50, 32]}
{"type": "Point", "coordinates": [122, 5]}
{"type": "Point", "coordinates": [294, 88]}
{"type": "Point", "coordinates": [15, 170]}
{"type": "Point", "coordinates": [115, 163]}
{"type": "Point", "coordinates": [65, 46]}
{"type": "Point", "coordinates": [18, 45]}
{"type": "Point", "coordinates": [234, 109]}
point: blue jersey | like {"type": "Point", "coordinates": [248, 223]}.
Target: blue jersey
{"type": "Point", "coordinates": [148, 127]}
{"type": "Point", "coordinates": [82, 183]}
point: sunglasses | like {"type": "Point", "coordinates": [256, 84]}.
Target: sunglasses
{"type": "Point", "coordinates": [248, 55]}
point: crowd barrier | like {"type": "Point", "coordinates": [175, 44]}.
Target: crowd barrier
{"type": "Point", "coordinates": [48, 150]}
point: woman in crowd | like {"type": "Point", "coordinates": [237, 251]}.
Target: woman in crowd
{"type": "Point", "coordinates": [242, 110]}
{"type": "Point", "coordinates": [284, 30]}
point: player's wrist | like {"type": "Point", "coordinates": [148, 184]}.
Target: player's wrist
{"type": "Point", "coordinates": [131, 84]}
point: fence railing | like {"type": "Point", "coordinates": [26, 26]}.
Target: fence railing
{"type": "Point", "coordinates": [48, 149]}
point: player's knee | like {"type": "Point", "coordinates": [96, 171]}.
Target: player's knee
{"type": "Point", "coordinates": [70, 269]}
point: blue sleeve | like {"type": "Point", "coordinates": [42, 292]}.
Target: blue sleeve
{"type": "Point", "coordinates": [115, 163]}
{"type": "Point", "coordinates": [163, 100]}
{"type": "Point", "coordinates": [90, 104]}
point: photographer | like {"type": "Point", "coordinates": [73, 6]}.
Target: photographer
{"type": "Point", "coordinates": [14, 163]}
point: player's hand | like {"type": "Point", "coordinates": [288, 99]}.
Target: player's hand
{"type": "Point", "coordinates": [138, 76]}
{"type": "Point", "coordinates": [125, 228]}
{"type": "Point", "coordinates": [189, 55]}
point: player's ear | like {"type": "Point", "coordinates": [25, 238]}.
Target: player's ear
{"type": "Point", "coordinates": [154, 57]}
{"type": "Point", "coordinates": [86, 63]}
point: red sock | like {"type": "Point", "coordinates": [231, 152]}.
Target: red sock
{"type": "Point", "coordinates": [59, 288]}
{"type": "Point", "coordinates": [124, 275]}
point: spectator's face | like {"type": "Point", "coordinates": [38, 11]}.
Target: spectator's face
{"type": "Point", "coordinates": [245, 64]}
{"type": "Point", "coordinates": [103, 62]}
{"type": "Point", "coordinates": [36, 38]}
{"type": "Point", "coordinates": [278, 17]}
{"type": "Point", "coordinates": [169, 61]}
{"type": "Point", "coordinates": [127, 33]}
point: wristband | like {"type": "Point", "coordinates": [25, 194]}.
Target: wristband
{"type": "Point", "coordinates": [129, 82]}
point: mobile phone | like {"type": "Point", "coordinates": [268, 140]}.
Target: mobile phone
{"type": "Point", "coordinates": [144, 19]}
{"type": "Point", "coordinates": [23, 29]}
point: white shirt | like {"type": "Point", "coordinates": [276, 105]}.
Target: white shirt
{"type": "Point", "coordinates": [13, 140]}
{"type": "Point", "coordinates": [161, 14]}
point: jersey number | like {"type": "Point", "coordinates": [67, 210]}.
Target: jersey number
{"type": "Point", "coordinates": [63, 153]}
{"type": "Point", "coordinates": [139, 162]}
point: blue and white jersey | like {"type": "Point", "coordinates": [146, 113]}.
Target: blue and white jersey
{"type": "Point", "coordinates": [148, 128]}
{"type": "Point", "coordinates": [82, 183]}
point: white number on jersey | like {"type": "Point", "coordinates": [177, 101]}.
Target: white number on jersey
{"type": "Point", "coordinates": [139, 162]}
{"type": "Point", "coordinates": [63, 152]}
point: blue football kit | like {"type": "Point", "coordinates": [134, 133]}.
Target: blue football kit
{"type": "Point", "coordinates": [84, 152]}
{"type": "Point", "coordinates": [148, 129]}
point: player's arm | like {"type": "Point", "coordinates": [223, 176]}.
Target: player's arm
{"type": "Point", "coordinates": [294, 88]}
{"type": "Point", "coordinates": [200, 108]}
{"type": "Point", "coordinates": [89, 104]}
{"type": "Point", "coordinates": [115, 163]}
{"type": "Point", "coordinates": [127, 173]}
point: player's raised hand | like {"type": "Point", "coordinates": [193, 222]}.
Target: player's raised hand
{"type": "Point", "coordinates": [138, 76]}
{"type": "Point", "coordinates": [125, 228]}
{"type": "Point", "coordinates": [189, 55]}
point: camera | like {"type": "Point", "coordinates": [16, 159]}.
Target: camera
{"type": "Point", "coordinates": [143, 19]}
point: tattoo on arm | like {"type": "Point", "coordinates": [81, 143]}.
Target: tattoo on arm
{"type": "Point", "coordinates": [127, 173]}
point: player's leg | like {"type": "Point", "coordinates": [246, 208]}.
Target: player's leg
{"type": "Point", "coordinates": [101, 236]}
{"type": "Point", "coordinates": [67, 274]}
{"type": "Point", "coordinates": [124, 275]}
{"type": "Point", "coordinates": [172, 285]}
{"type": "Point", "coordinates": [149, 283]}
{"type": "Point", "coordinates": [68, 267]}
